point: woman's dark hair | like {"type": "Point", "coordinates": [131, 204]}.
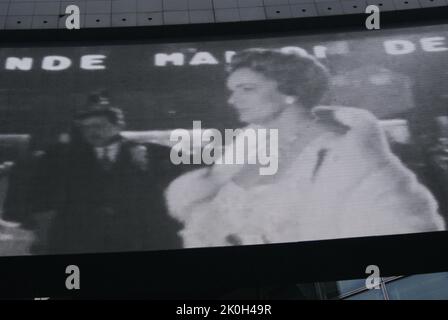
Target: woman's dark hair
{"type": "Point", "coordinates": [297, 73]}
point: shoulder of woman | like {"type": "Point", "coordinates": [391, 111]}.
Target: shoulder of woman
{"type": "Point", "coordinates": [348, 118]}
{"type": "Point", "coordinates": [353, 125]}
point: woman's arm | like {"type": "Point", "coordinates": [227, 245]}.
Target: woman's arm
{"type": "Point", "coordinates": [190, 189]}
{"type": "Point", "coordinates": [389, 198]}
{"type": "Point", "coordinates": [386, 197]}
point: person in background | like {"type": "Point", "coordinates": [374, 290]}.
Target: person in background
{"type": "Point", "coordinates": [106, 192]}
{"type": "Point", "coordinates": [437, 163]}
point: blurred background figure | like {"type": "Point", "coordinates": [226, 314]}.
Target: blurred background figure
{"type": "Point", "coordinates": [14, 238]}
{"type": "Point", "coordinates": [437, 163]}
{"type": "Point", "coordinates": [96, 191]}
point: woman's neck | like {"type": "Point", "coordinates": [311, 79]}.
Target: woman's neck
{"type": "Point", "coordinates": [296, 129]}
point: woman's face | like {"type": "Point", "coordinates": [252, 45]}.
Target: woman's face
{"type": "Point", "coordinates": [255, 97]}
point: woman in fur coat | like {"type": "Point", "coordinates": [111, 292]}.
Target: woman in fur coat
{"type": "Point", "coordinates": [336, 177]}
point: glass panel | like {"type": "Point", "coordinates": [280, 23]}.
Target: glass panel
{"type": "Point", "coordinates": [350, 285]}
{"type": "Point", "coordinates": [333, 290]}
{"type": "Point", "coordinates": [373, 294]}
{"type": "Point", "coordinates": [423, 286]}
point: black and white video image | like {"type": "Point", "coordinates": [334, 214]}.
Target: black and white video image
{"type": "Point", "coordinates": [140, 147]}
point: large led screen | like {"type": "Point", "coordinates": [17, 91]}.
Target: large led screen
{"type": "Point", "coordinates": [230, 142]}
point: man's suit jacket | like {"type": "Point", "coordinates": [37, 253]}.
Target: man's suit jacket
{"type": "Point", "coordinates": [98, 210]}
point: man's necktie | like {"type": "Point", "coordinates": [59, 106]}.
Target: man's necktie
{"type": "Point", "coordinates": [106, 159]}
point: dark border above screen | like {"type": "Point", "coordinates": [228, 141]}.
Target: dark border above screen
{"type": "Point", "coordinates": [221, 31]}
{"type": "Point", "coordinates": [211, 272]}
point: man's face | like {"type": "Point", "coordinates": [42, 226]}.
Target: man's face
{"type": "Point", "coordinates": [98, 131]}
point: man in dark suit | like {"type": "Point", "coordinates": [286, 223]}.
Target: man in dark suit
{"type": "Point", "coordinates": [106, 191]}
